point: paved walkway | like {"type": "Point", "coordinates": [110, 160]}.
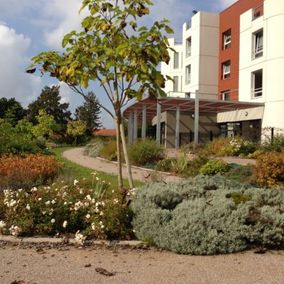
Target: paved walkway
{"type": "Point", "coordinates": [68, 265]}
{"type": "Point", "coordinates": [77, 156]}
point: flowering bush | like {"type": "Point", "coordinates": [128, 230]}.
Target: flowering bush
{"type": "Point", "coordinates": [26, 171]}
{"type": "Point", "coordinates": [93, 211]}
{"type": "Point", "coordinates": [231, 147]}
{"type": "Point", "coordinates": [93, 149]}
{"type": "Point", "coordinates": [269, 169]}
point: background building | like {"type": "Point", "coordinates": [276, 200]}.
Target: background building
{"type": "Point", "coordinates": [235, 60]}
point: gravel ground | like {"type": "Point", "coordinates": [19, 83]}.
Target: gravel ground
{"type": "Point", "coordinates": [21, 265]}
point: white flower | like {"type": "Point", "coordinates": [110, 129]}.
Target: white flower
{"type": "Point", "coordinates": [88, 216]}
{"type": "Point", "coordinates": [97, 178]}
{"type": "Point", "coordinates": [53, 201]}
{"type": "Point", "coordinates": [75, 182]}
{"type": "Point", "coordinates": [93, 226]}
{"type": "Point", "coordinates": [89, 197]}
{"type": "Point", "coordinates": [34, 189]}
{"type": "Point", "coordinates": [39, 199]}
{"type": "Point", "coordinates": [115, 201]}
{"type": "Point", "coordinates": [93, 173]}
{"type": "Point", "coordinates": [79, 238]}
{"type": "Point", "coordinates": [102, 213]}
{"type": "Point", "coordinates": [2, 224]}
{"type": "Point", "coordinates": [47, 202]}
{"type": "Point", "coordinates": [102, 226]}
{"type": "Point", "coordinates": [52, 221]}
{"type": "Point", "coordinates": [28, 207]}
{"type": "Point", "coordinates": [15, 230]}
{"type": "Point", "coordinates": [64, 225]}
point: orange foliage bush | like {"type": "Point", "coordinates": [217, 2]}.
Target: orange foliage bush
{"type": "Point", "coordinates": [26, 171]}
{"type": "Point", "coordinates": [269, 170]}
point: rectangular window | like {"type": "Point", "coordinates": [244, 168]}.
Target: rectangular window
{"type": "Point", "coordinates": [256, 81]}
{"type": "Point", "coordinates": [188, 47]}
{"type": "Point", "coordinates": [257, 38]}
{"type": "Point", "coordinates": [225, 95]}
{"type": "Point", "coordinates": [188, 95]}
{"type": "Point", "coordinates": [226, 69]}
{"type": "Point", "coordinates": [176, 60]}
{"type": "Point", "coordinates": [175, 87]}
{"type": "Point", "coordinates": [188, 74]}
{"type": "Point", "coordinates": [227, 38]}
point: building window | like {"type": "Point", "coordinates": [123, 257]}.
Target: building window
{"type": "Point", "coordinates": [188, 74]}
{"type": "Point", "coordinates": [226, 69]}
{"type": "Point", "coordinates": [175, 88]}
{"type": "Point", "coordinates": [227, 38]}
{"type": "Point", "coordinates": [256, 80]}
{"type": "Point", "coordinates": [188, 95]}
{"type": "Point", "coordinates": [188, 47]}
{"type": "Point", "coordinates": [225, 95]}
{"type": "Point", "coordinates": [176, 60]}
{"type": "Point", "coordinates": [257, 39]}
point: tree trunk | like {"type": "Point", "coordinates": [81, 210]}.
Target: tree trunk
{"type": "Point", "coordinates": [118, 148]}
{"type": "Point", "coordinates": [128, 166]}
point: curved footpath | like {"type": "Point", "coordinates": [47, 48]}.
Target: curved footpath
{"type": "Point", "coordinates": [77, 156]}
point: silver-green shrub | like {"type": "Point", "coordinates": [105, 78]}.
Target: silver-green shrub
{"type": "Point", "coordinates": [209, 215]}
{"type": "Point", "coordinates": [93, 149]}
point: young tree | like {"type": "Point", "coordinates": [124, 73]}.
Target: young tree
{"type": "Point", "coordinates": [46, 125]}
{"type": "Point", "coordinates": [49, 100]}
{"type": "Point", "coordinates": [89, 113]}
{"type": "Point", "coordinates": [76, 128]}
{"type": "Point", "coordinates": [114, 51]}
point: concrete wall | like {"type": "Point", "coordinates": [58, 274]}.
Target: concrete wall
{"type": "Point", "coordinates": [204, 31]}
{"type": "Point", "coordinates": [272, 61]}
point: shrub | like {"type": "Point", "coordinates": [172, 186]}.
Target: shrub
{"type": "Point", "coordinates": [27, 171]}
{"type": "Point", "coordinates": [209, 215]}
{"type": "Point", "coordinates": [242, 174]}
{"type": "Point", "coordinates": [269, 170]}
{"type": "Point", "coordinates": [194, 165]}
{"type": "Point", "coordinates": [108, 151]}
{"type": "Point", "coordinates": [274, 145]}
{"type": "Point", "coordinates": [214, 167]}
{"type": "Point", "coordinates": [62, 208]}
{"type": "Point", "coordinates": [165, 165]}
{"type": "Point", "coordinates": [19, 139]}
{"type": "Point", "coordinates": [145, 152]}
{"type": "Point", "coordinates": [231, 147]}
{"type": "Point", "coordinates": [93, 149]}
{"type": "Point", "coordinates": [219, 147]}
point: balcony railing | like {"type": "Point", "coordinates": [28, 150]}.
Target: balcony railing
{"type": "Point", "coordinates": [256, 93]}
{"type": "Point", "coordinates": [257, 12]}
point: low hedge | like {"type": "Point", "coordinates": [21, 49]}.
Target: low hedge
{"type": "Point", "coordinates": [209, 215]}
{"type": "Point", "coordinates": [27, 171]}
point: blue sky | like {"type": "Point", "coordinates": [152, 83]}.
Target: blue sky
{"type": "Point", "coordinates": [28, 27]}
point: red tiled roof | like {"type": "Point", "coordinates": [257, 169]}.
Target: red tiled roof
{"type": "Point", "coordinates": [105, 132]}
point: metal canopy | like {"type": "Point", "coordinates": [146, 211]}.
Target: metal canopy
{"type": "Point", "coordinates": [185, 104]}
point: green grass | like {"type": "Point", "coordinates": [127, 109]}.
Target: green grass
{"type": "Point", "coordinates": [73, 171]}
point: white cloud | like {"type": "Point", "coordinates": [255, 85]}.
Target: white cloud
{"type": "Point", "coordinates": [66, 17]}
{"type": "Point", "coordinates": [14, 81]}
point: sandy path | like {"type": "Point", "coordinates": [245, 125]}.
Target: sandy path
{"type": "Point", "coordinates": [137, 266]}
{"type": "Point", "coordinates": [76, 155]}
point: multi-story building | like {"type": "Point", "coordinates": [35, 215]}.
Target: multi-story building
{"type": "Point", "coordinates": [234, 61]}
